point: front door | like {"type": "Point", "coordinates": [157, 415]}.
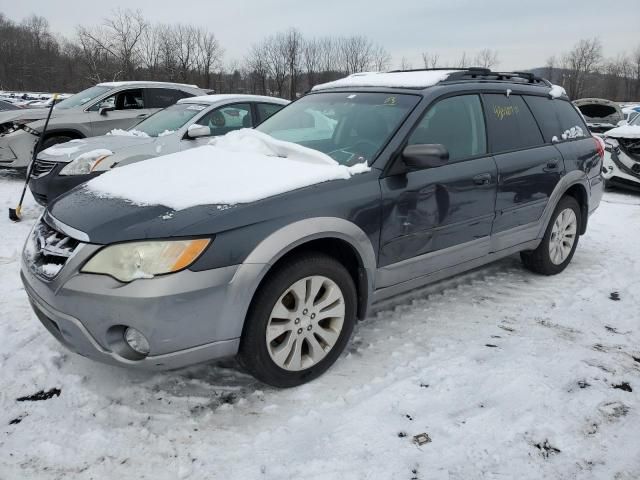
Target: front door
{"type": "Point", "coordinates": [127, 108]}
{"type": "Point", "coordinates": [440, 217]}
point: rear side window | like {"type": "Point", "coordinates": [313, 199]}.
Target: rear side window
{"type": "Point", "coordinates": [571, 123]}
{"type": "Point", "coordinates": [265, 110]}
{"type": "Point", "coordinates": [163, 97]}
{"type": "Point", "coordinates": [457, 123]}
{"type": "Point", "coordinates": [544, 110]}
{"type": "Point", "coordinates": [511, 123]}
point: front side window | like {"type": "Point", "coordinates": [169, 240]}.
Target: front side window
{"type": "Point", "coordinates": [511, 124]}
{"type": "Point", "coordinates": [170, 119]}
{"type": "Point", "coordinates": [124, 100]}
{"type": "Point", "coordinates": [349, 127]}
{"type": "Point", "coordinates": [82, 98]}
{"type": "Point", "coordinates": [226, 119]}
{"type": "Point", "coordinates": [457, 123]}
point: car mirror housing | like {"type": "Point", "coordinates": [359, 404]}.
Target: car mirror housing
{"type": "Point", "coordinates": [421, 156]}
{"type": "Point", "coordinates": [196, 131]}
{"type": "Point", "coordinates": [104, 110]}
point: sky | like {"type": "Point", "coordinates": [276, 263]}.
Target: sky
{"type": "Point", "coordinates": [523, 34]}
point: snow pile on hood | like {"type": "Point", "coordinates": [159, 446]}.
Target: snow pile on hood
{"type": "Point", "coordinates": [418, 79]}
{"type": "Point", "coordinates": [127, 133]}
{"type": "Point", "coordinates": [63, 148]}
{"type": "Point", "coordinates": [239, 168]}
{"type": "Point", "coordinates": [557, 91]}
{"type": "Point", "coordinates": [625, 131]}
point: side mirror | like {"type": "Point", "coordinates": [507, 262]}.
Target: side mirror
{"type": "Point", "coordinates": [196, 131]}
{"type": "Point", "coordinates": [421, 156]}
{"type": "Point", "coordinates": [104, 110]}
{"type": "Point", "coordinates": [622, 123]}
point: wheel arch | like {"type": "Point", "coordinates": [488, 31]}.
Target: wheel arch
{"type": "Point", "coordinates": [579, 192]}
{"type": "Point", "coordinates": [335, 237]}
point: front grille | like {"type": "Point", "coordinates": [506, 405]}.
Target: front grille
{"type": "Point", "coordinates": [42, 167]}
{"type": "Point", "coordinates": [47, 250]}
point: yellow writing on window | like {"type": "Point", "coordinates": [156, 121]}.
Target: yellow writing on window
{"type": "Point", "coordinates": [502, 112]}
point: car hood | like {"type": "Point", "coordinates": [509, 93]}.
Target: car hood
{"type": "Point", "coordinates": [600, 112]}
{"type": "Point", "coordinates": [199, 191]}
{"type": "Point", "coordinates": [119, 145]}
{"type": "Point", "coordinates": [22, 114]}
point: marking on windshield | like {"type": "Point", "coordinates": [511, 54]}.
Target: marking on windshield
{"type": "Point", "coordinates": [390, 101]}
{"type": "Point", "coordinates": [353, 95]}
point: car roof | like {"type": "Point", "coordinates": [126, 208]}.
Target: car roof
{"type": "Point", "coordinates": [142, 82]}
{"type": "Point", "coordinates": [426, 78]}
{"type": "Point", "coordinates": [217, 98]}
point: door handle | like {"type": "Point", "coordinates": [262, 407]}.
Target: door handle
{"type": "Point", "coordinates": [552, 165]}
{"type": "Point", "coordinates": [482, 179]}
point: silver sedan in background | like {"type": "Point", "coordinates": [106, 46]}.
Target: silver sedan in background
{"type": "Point", "coordinates": [187, 124]}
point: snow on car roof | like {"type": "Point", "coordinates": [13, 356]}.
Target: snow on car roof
{"type": "Point", "coordinates": [415, 79]}
{"type": "Point", "coordinates": [141, 82]}
{"type": "Point", "coordinates": [226, 96]}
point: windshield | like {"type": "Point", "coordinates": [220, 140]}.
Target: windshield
{"type": "Point", "coordinates": [82, 98]}
{"type": "Point", "coordinates": [635, 120]}
{"type": "Point", "coordinates": [349, 127]}
{"type": "Point", "coordinates": [170, 119]}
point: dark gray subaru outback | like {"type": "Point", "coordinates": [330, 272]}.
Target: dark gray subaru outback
{"type": "Point", "coordinates": [234, 251]}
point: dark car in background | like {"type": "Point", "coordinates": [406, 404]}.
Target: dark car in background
{"type": "Point", "coordinates": [461, 168]}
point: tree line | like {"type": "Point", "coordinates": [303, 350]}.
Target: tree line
{"type": "Point", "coordinates": [126, 46]}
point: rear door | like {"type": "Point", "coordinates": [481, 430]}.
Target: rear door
{"type": "Point", "coordinates": [529, 168]}
{"type": "Point", "coordinates": [442, 216]}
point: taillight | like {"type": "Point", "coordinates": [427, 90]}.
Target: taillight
{"type": "Point", "coordinates": [599, 146]}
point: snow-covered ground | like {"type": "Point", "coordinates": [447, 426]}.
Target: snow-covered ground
{"type": "Point", "coordinates": [512, 376]}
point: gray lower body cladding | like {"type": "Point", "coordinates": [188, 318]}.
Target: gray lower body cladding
{"type": "Point", "coordinates": [187, 317]}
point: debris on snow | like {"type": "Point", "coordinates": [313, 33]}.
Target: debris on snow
{"type": "Point", "coordinates": [624, 386]}
{"type": "Point", "coordinates": [615, 296]}
{"type": "Point", "coordinates": [41, 395]}
{"type": "Point", "coordinates": [421, 439]}
{"type": "Point", "coordinates": [546, 449]}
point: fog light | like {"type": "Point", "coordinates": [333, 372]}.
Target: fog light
{"type": "Point", "coordinates": [137, 341]}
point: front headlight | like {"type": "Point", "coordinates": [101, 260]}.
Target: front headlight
{"type": "Point", "coordinates": [88, 162]}
{"type": "Point", "coordinates": [130, 261]}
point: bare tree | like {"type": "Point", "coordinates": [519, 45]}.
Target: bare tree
{"type": "Point", "coordinates": [583, 60]}
{"type": "Point", "coordinates": [291, 44]}
{"type": "Point", "coordinates": [312, 59]}
{"type": "Point", "coordinates": [208, 55]}
{"type": "Point", "coordinates": [487, 58]}
{"type": "Point", "coordinates": [355, 54]}
{"type": "Point", "coordinates": [257, 63]}
{"type": "Point", "coordinates": [405, 64]}
{"type": "Point", "coordinates": [380, 58]}
{"type": "Point", "coordinates": [464, 61]}
{"type": "Point", "coordinates": [430, 60]}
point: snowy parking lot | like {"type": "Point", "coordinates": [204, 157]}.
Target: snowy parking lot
{"type": "Point", "coordinates": [511, 375]}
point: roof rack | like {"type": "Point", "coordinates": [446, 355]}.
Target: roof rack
{"type": "Point", "coordinates": [477, 73]}
{"type": "Point", "coordinates": [481, 73]}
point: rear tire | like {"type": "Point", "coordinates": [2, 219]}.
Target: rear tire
{"type": "Point", "coordinates": [299, 322]}
{"type": "Point", "coordinates": [559, 242]}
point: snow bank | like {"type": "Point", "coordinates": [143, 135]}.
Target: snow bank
{"type": "Point", "coordinates": [625, 131]}
{"type": "Point", "coordinates": [557, 91]}
{"type": "Point", "coordinates": [127, 133]}
{"type": "Point", "coordinates": [240, 168]}
{"type": "Point", "coordinates": [421, 79]}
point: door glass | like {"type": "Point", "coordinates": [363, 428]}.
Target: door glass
{"type": "Point", "coordinates": [457, 123]}
{"type": "Point", "coordinates": [163, 97]}
{"type": "Point", "coordinates": [544, 111]}
{"type": "Point", "coordinates": [265, 110]}
{"type": "Point", "coordinates": [124, 100]}
{"type": "Point", "coordinates": [226, 119]}
{"type": "Point", "coordinates": [511, 123]}
{"type": "Point", "coordinates": [571, 123]}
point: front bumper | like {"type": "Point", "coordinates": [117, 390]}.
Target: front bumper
{"type": "Point", "coordinates": [188, 317]}
{"type": "Point", "coordinates": [16, 149]}
{"type": "Point", "coordinates": [48, 187]}
{"type": "Point", "coordinates": [617, 173]}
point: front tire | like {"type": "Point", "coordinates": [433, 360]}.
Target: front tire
{"type": "Point", "coordinates": [559, 242]}
{"type": "Point", "coordinates": [299, 322]}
